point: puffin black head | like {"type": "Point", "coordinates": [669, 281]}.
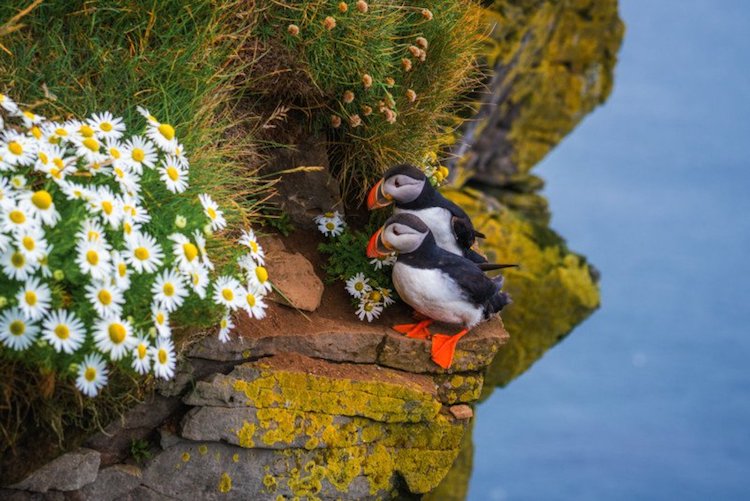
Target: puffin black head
{"type": "Point", "coordinates": [402, 183]}
{"type": "Point", "coordinates": [402, 233]}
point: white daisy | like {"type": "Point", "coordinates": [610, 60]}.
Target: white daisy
{"type": "Point", "coordinates": [178, 151]}
{"type": "Point", "coordinates": [129, 181]}
{"type": "Point", "coordinates": [16, 266]}
{"type": "Point", "coordinates": [139, 153]}
{"type": "Point", "coordinates": [200, 241]}
{"type": "Point", "coordinates": [91, 231]}
{"type": "Point", "coordinates": [30, 118]}
{"type": "Point", "coordinates": [79, 131]}
{"type": "Point", "coordinates": [144, 253]}
{"type": "Point", "coordinates": [17, 217]}
{"type": "Point", "coordinates": [34, 299]}
{"type": "Point", "coordinates": [74, 191]}
{"type": "Point", "coordinates": [160, 316]}
{"type": "Point", "coordinates": [7, 194]}
{"type": "Point", "coordinates": [31, 243]}
{"type": "Point", "coordinates": [120, 271]}
{"type": "Point", "coordinates": [211, 209]}
{"type": "Point", "coordinates": [92, 375]}
{"type": "Point", "coordinates": [134, 210]}
{"type": "Point", "coordinates": [115, 151]}
{"type": "Point", "coordinates": [16, 332]}
{"type": "Point", "coordinates": [108, 206]}
{"type": "Point", "coordinates": [225, 327]}
{"type": "Point", "coordinates": [169, 290]}
{"type": "Point", "coordinates": [330, 223]}
{"type": "Point", "coordinates": [93, 259]}
{"type": "Point", "coordinates": [256, 251]}
{"type": "Point", "coordinates": [198, 279]}
{"type": "Point", "coordinates": [4, 242]}
{"type": "Point", "coordinates": [252, 302]}
{"type": "Point", "coordinates": [114, 336]}
{"type": "Point", "coordinates": [147, 115]}
{"type": "Point", "coordinates": [174, 175]}
{"type": "Point", "coordinates": [358, 285]}
{"type": "Point", "coordinates": [164, 358]}
{"type": "Point", "coordinates": [256, 274]}
{"type": "Point", "coordinates": [184, 251]}
{"type": "Point", "coordinates": [368, 309]}
{"type": "Point", "coordinates": [379, 262]}
{"type": "Point", "coordinates": [228, 292]}
{"type": "Point", "coordinates": [64, 331]}
{"type": "Point", "coordinates": [41, 206]}
{"type": "Point", "coordinates": [163, 135]}
{"type": "Point", "coordinates": [8, 104]}
{"type": "Point", "coordinates": [18, 182]}
{"type": "Point", "coordinates": [387, 296]}
{"type": "Point", "coordinates": [106, 299]}
{"type": "Point", "coordinates": [142, 355]}
{"type": "Point", "coordinates": [106, 126]}
{"type": "Point", "coordinates": [90, 149]}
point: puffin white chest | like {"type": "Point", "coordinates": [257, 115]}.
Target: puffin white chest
{"type": "Point", "coordinates": [434, 294]}
{"type": "Point", "coordinates": [439, 222]}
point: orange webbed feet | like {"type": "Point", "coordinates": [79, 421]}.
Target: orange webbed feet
{"type": "Point", "coordinates": [444, 347]}
{"type": "Point", "coordinates": [415, 331]}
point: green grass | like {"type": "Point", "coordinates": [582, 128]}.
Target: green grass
{"type": "Point", "coordinates": [66, 59]}
{"type": "Point", "coordinates": [375, 43]}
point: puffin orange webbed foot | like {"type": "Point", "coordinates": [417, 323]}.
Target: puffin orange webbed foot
{"type": "Point", "coordinates": [415, 331]}
{"type": "Point", "coordinates": [444, 347]}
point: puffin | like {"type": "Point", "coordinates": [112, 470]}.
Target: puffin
{"type": "Point", "coordinates": [440, 285]}
{"type": "Point", "coordinates": [409, 189]}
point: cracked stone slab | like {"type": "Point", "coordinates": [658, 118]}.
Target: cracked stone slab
{"type": "Point", "coordinates": [113, 482]}
{"type": "Point", "coordinates": [69, 472]}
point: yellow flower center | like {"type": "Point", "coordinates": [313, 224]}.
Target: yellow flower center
{"type": "Point", "coordinates": [127, 228]}
{"type": "Point", "coordinates": [17, 259]}
{"type": "Point", "coordinates": [122, 269]}
{"type": "Point", "coordinates": [30, 298]}
{"type": "Point", "coordinates": [105, 126]}
{"type": "Point", "coordinates": [254, 246]}
{"type": "Point", "coordinates": [160, 318]}
{"type": "Point", "coordinates": [119, 172]}
{"type": "Point", "coordinates": [36, 132]}
{"type": "Point", "coordinates": [29, 243]}
{"type": "Point", "coordinates": [211, 212]}
{"type": "Point", "coordinates": [261, 273]}
{"type": "Point", "coordinates": [162, 355]}
{"type": "Point", "coordinates": [17, 216]}
{"type": "Point", "coordinates": [138, 154]}
{"type": "Point", "coordinates": [29, 115]}
{"type": "Point", "coordinates": [17, 327]}
{"type": "Point", "coordinates": [58, 163]}
{"type": "Point", "coordinates": [107, 207]}
{"type": "Point", "coordinates": [227, 294]}
{"type": "Point", "coordinates": [42, 199]}
{"type": "Point", "coordinates": [114, 152]}
{"type": "Point", "coordinates": [141, 351]}
{"type": "Point", "coordinates": [86, 131]}
{"type": "Point", "coordinates": [172, 173]}
{"type": "Point", "coordinates": [92, 257]}
{"type": "Point", "coordinates": [359, 286]}
{"type": "Point", "coordinates": [117, 333]}
{"type": "Point", "coordinates": [61, 132]}
{"type": "Point", "coordinates": [330, 226]}
{"type": "Point", "coordinates": [190, 250]}
{"type": "Point", "coordinates": [89, 374]}
{"type": "Point", "coordinates": [250, 298]}
{"type": "Point", "coordinates": [223, 324]}
{"type": "Point", "coordinates": [15, 147]}
{"type": "Point", "coordinates": [62, 331]}
{"type": "Point", "coordinates": [43, 157]}
{"type": "Point", "coordinates": [91, 144]}
{"type": "Point", "coordinates": [93, 235]}
{"type": "Point", "coordinates": [328, 214]}
{"type": "Point", "coordinates": [376, 296]}
{"type": "Point", "coordinates": [56, 173]}
{"type": "Point", "coordinates": [168, 289]}
{"type": "Point", "coordinates": [141, 253]}
{"type": "Point", "coordinates": [196, 278]}
{"type": "Point", "coordinates": [105, 297]}
{"type": "Point", "coordinates": [167, 131]}
{"type": "Point", "coordinates": [369, 307]}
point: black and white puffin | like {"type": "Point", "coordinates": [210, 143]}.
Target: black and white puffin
{"type": "Point", "coordinates": [409, 189]}
{"type": "Point", "coordinates": [438, 284]}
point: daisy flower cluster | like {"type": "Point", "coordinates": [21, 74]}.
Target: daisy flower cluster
{"type": "Point", "coordinates": [102, 245]}
{"type": "Point", "coordinates": [347, 262]}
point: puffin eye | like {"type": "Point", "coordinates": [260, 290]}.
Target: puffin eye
{"type": "Point", "coordinates": [395, 181]}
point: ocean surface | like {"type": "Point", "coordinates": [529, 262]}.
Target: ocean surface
{"type": "Point", "coordinates": [650, 397]}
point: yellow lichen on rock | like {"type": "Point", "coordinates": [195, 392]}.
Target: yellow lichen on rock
{"type": "Point", "coordinates": [225, 483]}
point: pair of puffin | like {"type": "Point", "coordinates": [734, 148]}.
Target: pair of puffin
{"type": "Point", "coordinates": [437, 272]}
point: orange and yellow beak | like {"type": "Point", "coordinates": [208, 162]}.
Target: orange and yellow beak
{"type": "Point", "coordinates": [377, 247]}
{"type": "Point", "coordinates": [378, 199]}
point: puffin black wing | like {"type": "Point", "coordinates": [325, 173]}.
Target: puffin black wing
{"type": "Point", "coordinates": [479, 288]}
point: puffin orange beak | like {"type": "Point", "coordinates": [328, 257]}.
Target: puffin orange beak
{"type": "Point", "coordinates": [376, 247]}
{"type": "Point", "coordinates": [376, 199]}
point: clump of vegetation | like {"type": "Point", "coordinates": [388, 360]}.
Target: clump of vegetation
{"type": "Point", "coordinates": [389, 73]}
{"type": "Point", "coordinates": [179, 60]}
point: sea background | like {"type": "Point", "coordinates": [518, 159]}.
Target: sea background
{"type": "Point", "coordinates": [650, 397]}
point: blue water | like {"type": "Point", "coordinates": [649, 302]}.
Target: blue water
{"type": "Point", "coordinates": [649, 398]}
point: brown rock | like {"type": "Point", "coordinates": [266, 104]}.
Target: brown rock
{"type": "Point", "coordinates": [68, 472]}
{"type": "Point", "coordinates": [461, 411]}
{"type": "Point", "coordinates": [295, 277]}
